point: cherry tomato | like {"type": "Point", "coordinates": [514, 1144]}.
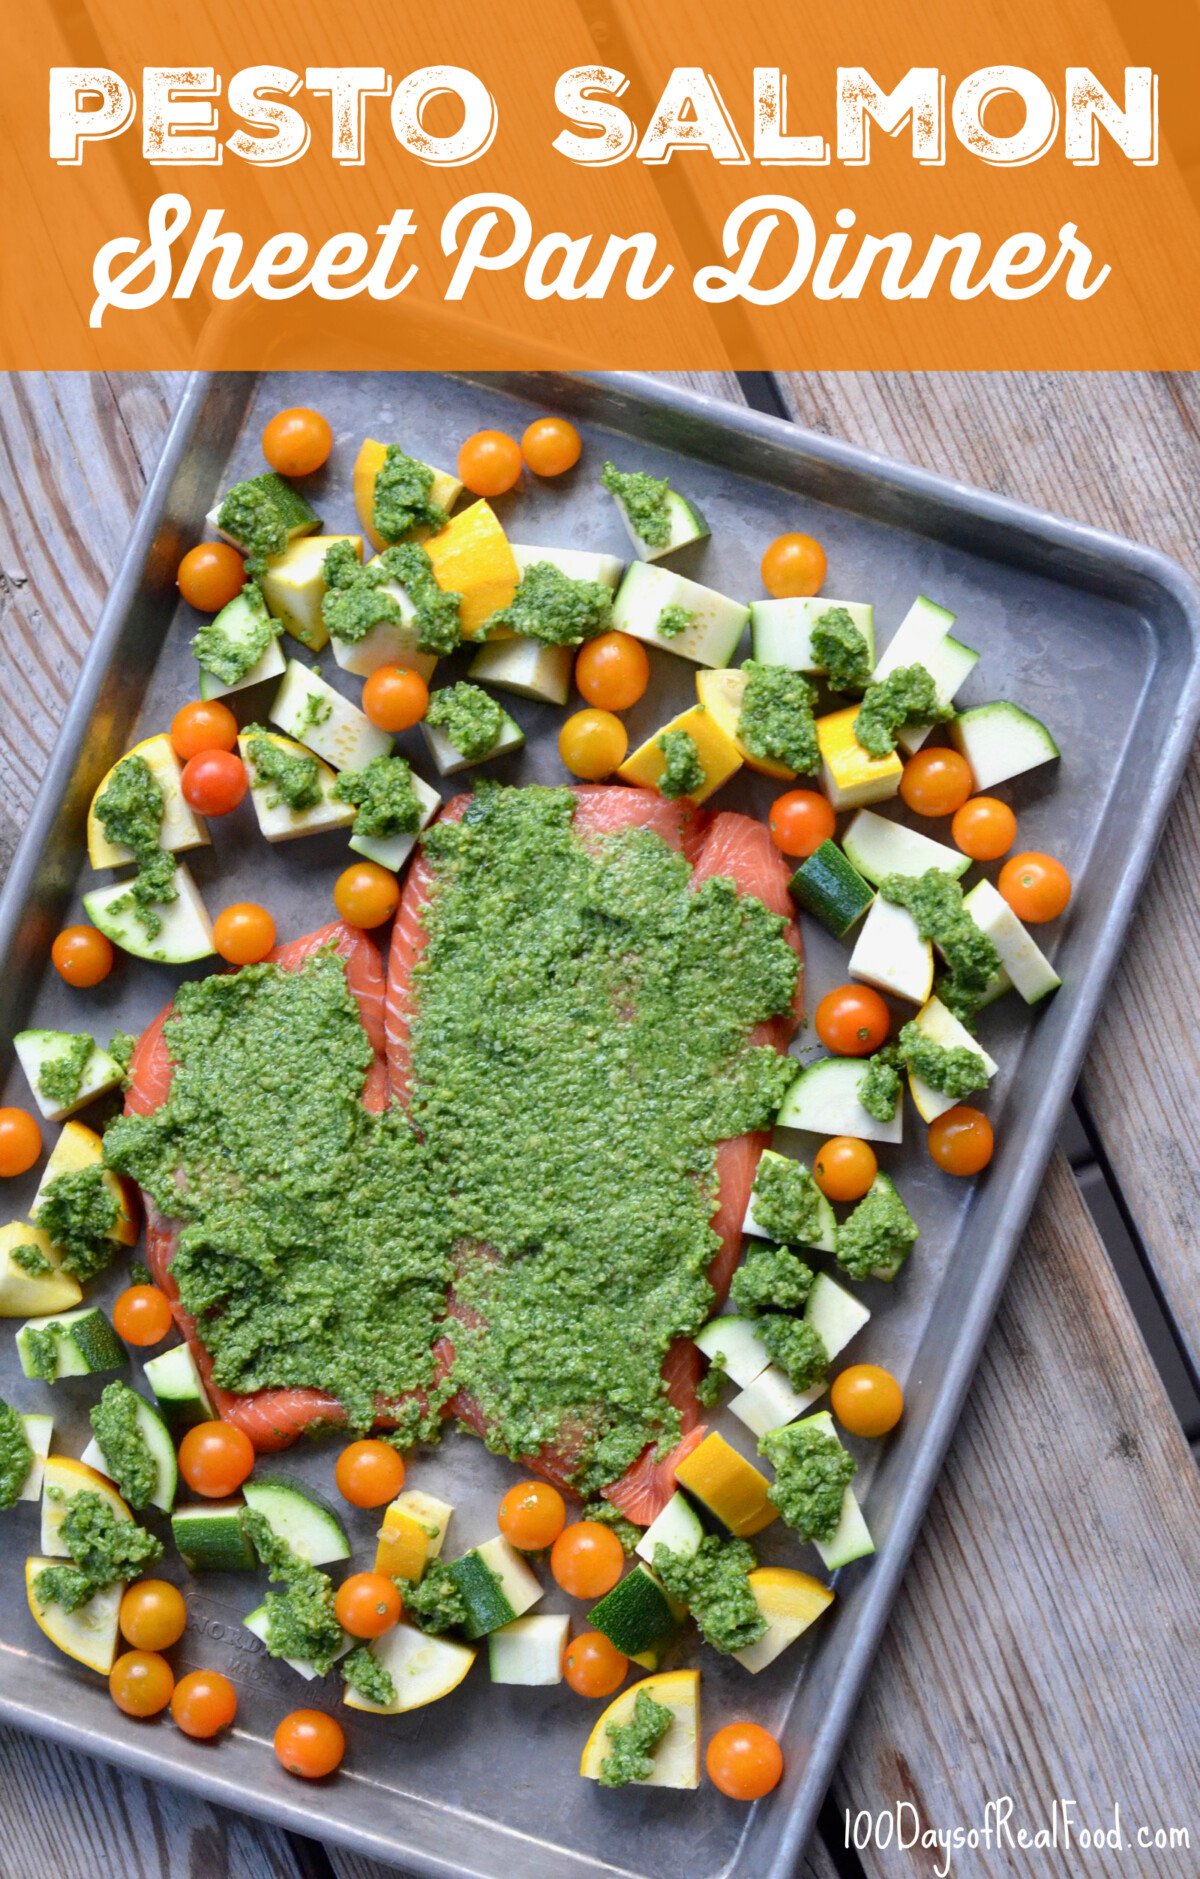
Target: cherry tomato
{"type": "Point", "coordinates": [142, 1315]}
{"type": "Point", "coordinates": [365, 894]}
{"type": "Point", "coordinates": [961, 1140]}
{"type": "Point", "coordinates": [852, 1021]}
{"type": "Point", "coordinates": [214, 782]}
{"type": "Point", "coordinates": [20, 1142]}
{"type": "Point", "coordinates": [984, 828]}
{"type": "Point", "coordinates": [141, 1682]}
{"type": "Point", "coordinates": [744, 1761]}
{"type": "Point", "coordinates": [367, 1604]}
{"type": "Point", "coordinates": [204, 1703]}
{"type": "Point", "coordinates": [592, 744]}
{"type": "Point", "coordinates": [205, 725]}
{"type": "Point", "coordinates": [551, 446]}
{"type": "Point", "coordinates": [845, 1168]}
{"type": "Point", "coordinates": [1036, 887]}
{"type": "Point", "coordinates": [153, 1615]}
{"type": "Point", "coordinates": [215, 1458]}
{"type": "Point", "coordinates": [593, 1666]}
{"type": "Point", "coordinates": [586, 1559]}
{"type": "Point", "coordinates": [297, 442]}
{"type": "Point", "coordinates": [867, 1400]}
{"type": "Point", "coordinates": [309, 1743]}
{"type": "Point", "coordinates": [936, 782]}
{"type": "Point", "coordinates": [243, 933]}
{"type": "Point", "coordinates": [82, 955]}
{"type": "Point", "coordinates": [532, 1515]}
{"type": "Point", "coordinates": [612, 671]}
{"type": "Point", "coordinates": [394, 698]}
{"type": "Point", "coordinates": [793, 566]}
{"type": "Point", "coordinates": [799, 821]}
{"type": "Point", "coordinates": [211, 575]}
{"type": "Point", "coordinates": [369, 1473]}
{"type": "Point", "coordinates": [489, 463]}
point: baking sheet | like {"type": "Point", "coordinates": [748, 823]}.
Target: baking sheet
{"type": "Point", "coordinates": [1094, 635]}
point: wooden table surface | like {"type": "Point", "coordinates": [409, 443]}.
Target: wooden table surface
{"type": "Point", "coordinates": [1047, 1640]}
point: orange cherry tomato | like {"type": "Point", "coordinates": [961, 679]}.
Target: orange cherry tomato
{"type": "Point", "coordinates": [365, 894]}
{"type": "Point", "coordinates": [551, 446]}
{"type": "Point", "coordinates": [142, 1315]}
{"type": "Point", "coordinates": [793, 566]}
{"type": "Point", "coordinates": [593, 1666]}
{"type": "Point", "coordinates": [867, 1400]}
{"type": "Point", "coordinates": [532, 1515]}
{"type": "Point", "coordinates": [367, 1604]}
{"type": "Point", "coordinates": [244, 933]}
{"type": "Point", "coordinates": [20, 1142]}
{"type": "Point", "coordinates": [82, 955]}
{"type": "Point", "coordinates": [310, 1744]}
{"type": "Point", "coordinates": [489, 463]}
{"type": "Point", "coordinates": [369, 1473]}
{"type": "Point", "coordinates": [211, 575]}
{"type": "Point", "coordinates": [744, 1761]}
{"type": "Point", "coordinates": [214, 782]}
{"type": "Point", "coordinates": [612, 671]}
{"type": "Point", "coordinates": [153, 1615]}
{"type": "Point", "coordinates": [141, 1683]}
{"type": "Point", "coordinates": [592, 744]}
{"type": "Point", "coordinates": [852, 1021]}
{"type": "Point", "coordinates": [206, 724]}
{"type": "Point", "coordinates": [936, 782]}
{"type": "Point", "coordinates": [297, 442]}
{"type": "Point", "coordinates": [1036, 887]}
{"type": "Point", "coordinates": [394, 698]}
{"type": "Point", "coordinates": [961, 1140]}
{"type": "Point", "coordinates": [799, 821]}
{"type": "Point", "coordinates": [586, 1559]}
{"type": "Point", "coordinates": [984, 828]}
{"type": "Point", "coordinates": [845, 1167]}
{"type": "Point", "coordinates": [215, 1458]}
{"type": "Point", "coordinates": [204, 1703]}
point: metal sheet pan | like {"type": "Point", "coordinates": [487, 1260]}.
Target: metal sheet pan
{"type": "Point", "coordinates": [1099, 637]}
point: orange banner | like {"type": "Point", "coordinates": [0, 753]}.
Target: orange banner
{"type": "Point", "coordinates": [857, 185]}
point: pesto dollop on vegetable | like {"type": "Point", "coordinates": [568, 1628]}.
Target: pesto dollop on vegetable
{"type": "Point", "coordinates": [77, 1212]}
{"type": "Point", "coordinates": [260, 515]}
{"type": "Point", "coordinates": [434, 1603]}
{"type": "Point", "coordinates": [228, 656]}
{"type": "Point", "coordinates": [715, 1586]}
{"type": "Point", "coordinates": [787, 1201]}
{"type": "Point", "coordinates": [798, 1350]}
{"type": "Point", "coordinates": [771, 1278]}
{"type": "Point", "coordinates": [606, 1515]}
{"type": "Point", "coordinates": [683, 772]}
{"type": "Point", "coordinates": [841, 651]}
{"type": "Point", "coordinates": [674, 620]}
{"type": "Point", "coordinates": [777, 722]}
{"type": "Point", "coordinates": [812, 1473]}
{"type": "Point", "coordinates": [316, 710]}
{"type": "Point", "coordinates": [125, 1449]}
{"type": "Point", "coordinates": [908, 695]}
{"type": "Point", "coordinates": [363, 1672]}
{"type": "Point", "coordinates": [16, 1456]}
{"type": "Point", "coordinates": [383, 793]}
{"type": "Point", "coordinates": [121, 1046]}
{"type": "Point", "coordinates": [469, 718]}
{"type": "Point", "coordinates": [879, 1089]}
{"type": "Point", "coordinates": [103, 1549]}
{"type": "Point", "coordinates": [550, 606]}
{"type": "Point", "coordinates": [41, 1344]}
{"type": "Point", "coordinates": [358, 599]}
{"type": "Point", "coordinates": [402, 501]}
{"type": "Point", "coordinates": [60, 1078]}
{"type": "Point", "coordinates": [955, 1070]}
{"type": "Point", "coordinates": [301, 1620]}
{"type": "Point", "coordinates": [644, 500]}
{"type": "Point", "coordinates": [294, 776]}
{"type": "Point", "coordinates": [31, 1259]}
{"type": "Point", "coordinates": [130, 810]}
{"type": "Point", "coordinates": [935, 901]}
{"type": "Point", "coordinates": [873, 1243]}
{"type": "Point", "coordinates": [631, 1757]}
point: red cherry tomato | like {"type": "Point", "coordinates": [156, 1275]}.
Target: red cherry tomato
{"type": "Point", "coordinates": [142, 1315]}
{"type": "Point", "coordinates": [744, 1761]}
{"type": "Point", "coordinates": [799, 821]}
{"type": "Point", "coordinates": [395, 699]}
{"type": "Point", "coordinates": [204, 1703]}
{"type": "Point", "coordinates": [214, 782]}
{"type": "Point", "coordinates": [244, 933]}
{"type": "Point", "coordinates": [961, 1140]}
{"type": "Point", "coordinates": [297, 442]}
{"type": "Point", "coordinates": [793, 566]}
{"type": "Point", "coordinates": [551, 446]}
{"type": "Point", "coordinates": [936, 782]}
{"type": "Point", "coordinates": [211, 575]}
{"type": "Point", "coordinates": [1036, 887]}
{"type": "Point", "coordinates": [215, 1458]}
{"type": "Point", "coordinates": [82, 956]}
{"type": "Point", "coordinates": [20, 1142]}
{"type": "Point", "coordinates": [852, 1021]}
{"type": "Point", "coordinates": [310, 1744]}
{"type": "Point", "coordinates": [489, 463]}
{"type": "Point", "coordinates": [205, 725]}
{"type": "Point", "coordinates": [369, 1473]}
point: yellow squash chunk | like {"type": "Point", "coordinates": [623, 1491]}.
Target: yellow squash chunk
{"type": "Point", "coordinates": [423, 1670]}
{"type": "Point", "coordinates": [677, 1756]}
{"type": "Point", "coordinates": [89, 1635]}
{"type": "Point", "coordinates": [181, 827]}
{"type": "Point", "coordinates": [294, 586]}
{"type": "Point", "coordinates": [31, 1294]}
{"type": "Point", "coordinates": [728, 1485]}
{"type": "Point", "coordinates": [719, 755]}
{"type": "Point", "coordinates": [414, 1526]}
{"type": "Point", "coordinates": [721, 694]}
{"type": "Point", "coordinates": [445, 489]}
{"type": "Point", "coordinates": [80, 1147]}
{"type": "Point", "coordinates": [471, 557]}
{"type": "Point", "coordinates": [790, 1601]}
{"type": "Point", "coordinates": [63, 1479]}
{"type": "Point", "coordinates": [852, 776]}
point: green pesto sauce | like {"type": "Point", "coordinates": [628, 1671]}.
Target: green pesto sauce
{"type": "Point", "coordinates": [315, 711]}
{"type": "Point", "coordinates": [227, 656]}
{"type": "Point", "coordinates": [363, 1672]}
{"type": "Point", "coordinates": [683, 772]}
{"type": "Point", "coordinates": [935, 901]}
{"type": "Point", "coordinates": [770, 1278]}
{"type": "Point", "coordinates": [787, 1201]}
{"type": "Point", "coordinates": [873, 1243]}
{"type": "Point", "coordinates": [77, 1212]}
{"type": "Point", "coordinates": [382, 792]}
{"type": "Point", "coordinates": [434, 1603]}
{"type": "Point", "coordinates": [673, 621]}
{"type": "Point", "coordinates": [121, 1046]}
{"type": "Point", "coordinates": [644, 500]}
{"type": "Point", "coordinates": [468, 717]}
{"type": "Point", "coordinates": [954, 1070]}
{"type": "Point", "coordinates": [715, 1586]}
{"type": "Point", "coordinates": [708, 1390]}
{"type": "Point", "coordinates": [125, 1449]}
{"type": "Point", "coordinates": [356, 598]}
{"type": "Point", "coordinates": [550, 606]}
{"type": "Point", "coordinates": [16, 1456]}
{"type": "Point", "coordinates": [31, 1259]}
{"type": "Point", "coordinates": [402, 500]}
{"type": "Point", "coordinates": [60, 1078]}
{"type": "Point", "coordinates": [841, 651]}
{"type": "Point", "coordinates": [41, 1350]}
{"type": "Point", "coordinates": [259, 515]}
{"type": "Point", "coordinates": [130, 811]}
{"type": "Point", "coordinates": [777, 722]}
{"type": "Point", "coordinates": [631, 1757]}
{"type": "Point", "coordinates": [103, 1549]}
{"type": "Point", "coordinates": [908, 695]}
{"type": "Point", "coordinates": [798, 1350]}
{"type": "Point", "coordinates": [295, 778]}
{"type": "Point", "coordinates": [139, 1273]}
{"type": "Point", "coordinates": [301, 1620]}
{"type": "Point", "coordinates": [606, 1515]}
{"type": "Point", "coordinates": [812, 1473]}
{"type": "Point", "coordinates": [879, 1089]}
